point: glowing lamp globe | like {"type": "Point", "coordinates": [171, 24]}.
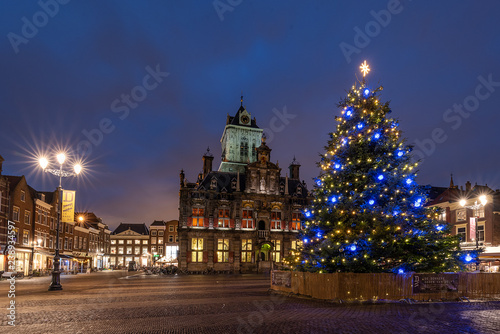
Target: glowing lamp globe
{"type": "Point", "coordinates": [43, 163]}
{"type": "Point", "coordinates": [463, 202]}
{"type": "Point", "coordinates": [61, 157]}
{"type": "Point", "coordinates": [483, 199]}
{"type": "Point", "coordinates": [468, 258]}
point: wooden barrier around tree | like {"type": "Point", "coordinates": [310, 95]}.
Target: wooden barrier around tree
{"type": "Point", "coordinates": [352, 286]}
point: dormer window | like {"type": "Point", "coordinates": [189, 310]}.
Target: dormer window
{"type": "Point", "coordinates": [23, 196]}
{"type": "Point", "coordinates": [213, 183]}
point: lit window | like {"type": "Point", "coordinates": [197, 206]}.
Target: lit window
{"type": "Point", "coordinates": [222, 250]}
{"type": "Point", "coordinates": [26, 237]}
{"type": "Point", "coordinates": [461, 215]}
{"type": "Point", "coordinates": [113, 242]}
{"type": "Point", "coordinates": [223, 217]}
{"type": "Point", "coordinates": [15, 214]}
{"type": "Point", "coordinates": [27, 217]}
{"type": "Point", "coordinates": [296, 217]}
{"type": "Point", "coordinates": [247, 221]}
{"type": "Point", "coordinates": [129, 250]}
{"type": "Point", "coordinates": [276, 253]}
{"type": "Point", "coordinates": [480, 212]}
{"type": "Point", "coordinates": [197, 249]}
{"type": "Point", "coordinates": [120, 250]}
{"type": "Point", "coordinates": [113, 250]}
{"type": "Point", "coordinates": [198, 217]}
{"type": "Point", "coordinates": [480, 233]}
{"type": "Point", "coordinates": [462, 233]}
{"type": "Point", "coordinates": [160, 240]}
{"type": "Point", "coordinates": [144, 242]}
{"type": "Point", "coordinates": [276, 220]}
{"type": "Point", "coordinates": [246, 250]}
{"type": "Point", "coordinates": [160, 250]}
{"type": "Point", "coordinates": [137, 250]}
{"type": "Point", "coordinates": [153, 240]}
{"type": "Point", "coordinates": [137, 241]}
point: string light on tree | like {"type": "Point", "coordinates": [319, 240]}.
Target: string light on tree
{"type": "Point", "coordinates": [367, 200]}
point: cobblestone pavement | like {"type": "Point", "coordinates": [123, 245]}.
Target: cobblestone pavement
{"type": "Point", "coordinates": [116, 302]}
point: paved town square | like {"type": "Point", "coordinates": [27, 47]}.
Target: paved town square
{"type": "Point", "coordinates": [122, 302]}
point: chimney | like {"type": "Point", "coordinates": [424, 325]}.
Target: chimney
{"type": "Point", "coordinates": [1, 163]}
{"type": "Point", "coordinates": [468, 186]}
{"type": "Point", "coordinates": [207, 162]}
{"type": "Point", "coordinates": [182, 177]}
{"type": "Point", "coordinates": [294, 169]}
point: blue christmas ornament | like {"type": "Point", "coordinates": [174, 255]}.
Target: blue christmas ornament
{"type": "Point", "coordinates": [380, 177]}
{"type": "Point", "coordinates": [345, 141]}
{"type": "Point", "coordinates": [337, 165]}
{"type": "Point", "coordinates": [318, 183]}
{"type": "Point", "coordinates": [468, 258]}
{"type": "Point", "coordinates": [348, 112]}
{"type": "Point", "coordinates": [401, 271]}
{"type": "Point", "coordinates": [418, 202]}
{"type": "Point", "coordinates": [371, 202]}
{"type": "Point", "coordinates": [366, 92]}
{"type": "Point", "coordinates": [360, 126]}
{"type": "Point", "coordinates": [305, 241]}
{"type": "Point", "coordinates": [439, 227]}
{"type": "Point", "coordinates": [399, 153]}
{"type": "Point", "coordinates": [376, 136]}
{"type": "Point", "coordinates": [333, 199]}
{"type": "Point", "coordinates": [353, 248]}
{"type": "Point", "coordinates": [318, 235]}
{"type": "Point", "coordinates": [395, 213]}
{"type": "Point", "coordinates": [307, 213]}
{"type": "Point", "coordinates": [409, 181]}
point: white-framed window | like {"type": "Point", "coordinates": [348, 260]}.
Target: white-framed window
{"type": "Point", "coordinates": [153, 232]}
{"type": "Point", "coordinates": [129, 242]}
{"type": "Point", "coordinates": [246, 250]}
{"type": "Point", "coordinates": [113, 250]}
{"type": "Point", "coordinates": [461, 215]}
{"type": "Point", "coordinates": [275, 220]}
{"type": "Point", "coordinates": [480, 233]}
{"type": "Point", "coordinates": [171, 228]}
{"type": "Point", "coordinates": [160, 241]}
{"type": "Point", "coordinates": [198, 217]}
{"type": "Point", "coordinates": [26, 237]}
{"type": "Point", "coordinates": [144, 242]}
{"type": "Point", "coordinates": [129, 250]}
{"type": "Point", "coordinates": [296, 218]}
{"type": "Point", "coordinates": [160, 233]}
{"type": "Point", "coordinates": [120, 250]}
{"type": "Point", "coordinates": [442, 216]}
{"type": "Point", "coordinates": [247, 218]}
{"type": "Point", "coordinates": [23, 196]}
{"type": "Point", "coordinates": [137, 250]}
{"type": "Point", "coordinates": [153, 240]}
{"type": "Point", "coordinates": [222, 250]}
{"type": "Point", "coordinates": [462, 233]}
{"type": "Point", "coordinates": [15, 214]}
{"type": "Point", "coordinates": [137, 241]}
{"type": "Point", "coordinates": [27, 217]}
{"type": "Point", "coordinates": [170, 238]}
{"type": "Point", "coordinates": [223, 217]}
{"type": "Point", "coordinates": [276, 253]}
{"type": "Point", "coordinates": [160, 250]}
{"type": "Point", "coordinates": [113, 241]}
{"type": "Point", "coordinates": [480, 212]}
{"type": "Point", "coordinates": [196, 249]}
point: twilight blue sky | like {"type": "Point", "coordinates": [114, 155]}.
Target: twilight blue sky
{"type": "Point", "coordinates": [70, 74]}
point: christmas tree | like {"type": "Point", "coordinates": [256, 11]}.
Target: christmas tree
{"type": "Point", "coordinates": [368, 212]}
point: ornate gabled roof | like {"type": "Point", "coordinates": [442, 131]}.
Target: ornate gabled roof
{"type": "Point", "coordinates": [236, 119]}
{"type": "Point", "coordinates": [158, 223]}
{"type": "Point", "coordinates": [139, 228]}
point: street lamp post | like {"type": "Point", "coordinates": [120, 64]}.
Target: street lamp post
{"type": "Point", "coordinates": [475, 207]}
{"type": "Point", "coordinates": [55, 284]}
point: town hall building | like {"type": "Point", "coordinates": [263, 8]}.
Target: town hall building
{"type": "Point", "coordinates": [245, 216]}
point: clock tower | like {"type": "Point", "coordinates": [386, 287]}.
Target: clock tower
{"type": "Point", "coordinates": [239, 141]}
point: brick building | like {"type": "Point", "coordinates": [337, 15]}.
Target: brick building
{"type": "Point", "coordinates": [245, 216]}
{"type": "Point", "coordinates": [463, 220]}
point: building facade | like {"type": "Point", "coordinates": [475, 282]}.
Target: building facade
{"type": "Point", "coordinates": [130, 242]}
{"type": "Point", "coordinates": [245, 217]}
{"type": "Point", "coordinates": [481, 224]}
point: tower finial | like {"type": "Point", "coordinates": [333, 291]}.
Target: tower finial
{"type": "Point", "coordinates": [241, 98]}
{"type": "Point", "coordinates": [452, 185]}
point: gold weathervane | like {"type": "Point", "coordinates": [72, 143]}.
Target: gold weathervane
{"type": "Point", "coordinates": [364, 68]}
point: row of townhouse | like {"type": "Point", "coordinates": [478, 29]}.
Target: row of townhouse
{"type": "Point", "coordinates": [146, 246]}
{"type": "Point", "coordinates": [32, 216]}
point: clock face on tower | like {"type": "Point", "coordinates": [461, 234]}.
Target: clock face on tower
{"type": "Point", "coordinates": [245, 119]}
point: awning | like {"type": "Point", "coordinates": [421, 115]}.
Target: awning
{"type": "Point", "coordinates": [489, 256]}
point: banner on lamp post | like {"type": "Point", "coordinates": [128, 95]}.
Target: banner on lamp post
{"type": "Point", "coordinates": [472, 228]}
{"type": "Point", "coordinates": [68, 206]}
